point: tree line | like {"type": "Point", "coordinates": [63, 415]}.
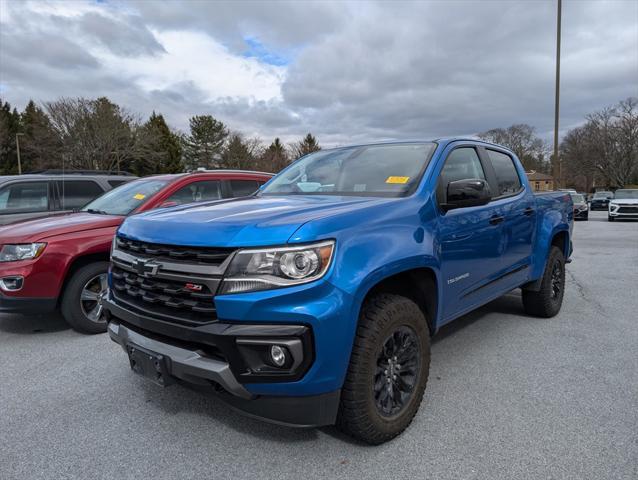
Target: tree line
{"type": "Point", "coordinates": [97, 134]}
{"type": "Point", "coordinates": [602, 152]}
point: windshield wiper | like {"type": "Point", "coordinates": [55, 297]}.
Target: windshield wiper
{"type": "Point", "coordinates": [98, 212]}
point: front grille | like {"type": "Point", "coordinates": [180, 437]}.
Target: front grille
{"type": "Point", "coordinates": [628, 209]}
{"type": "Point", "coordinates": [213, 256]}
{"type": "Point", "coordinates": [165, 299]}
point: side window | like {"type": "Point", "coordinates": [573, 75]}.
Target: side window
{"type": "Point", "coordinates": [24, 197]}
{"type": "Point", "coordinates": [77, 193]}
{"type": "Point", "coordinates": [116, 183]}
{"type": "Point", "coordinates": [462, 164]}
{"type": "Point", "coordinates": [196, 192]}
{"type": "Point", "coordinates": [243, 188]}
{"type": "Point", "coordinates": [506, 174]}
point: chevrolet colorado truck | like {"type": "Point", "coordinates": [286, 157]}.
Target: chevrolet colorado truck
{"type": "Point", "coordinates": [62, 261]}
{"type": "Point", "coordinates": [313, 302]}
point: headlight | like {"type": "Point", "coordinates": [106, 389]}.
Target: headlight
{"type": "Point", "coordinates": [264, 269]}
{"type": "Point", "coordinates": [25, 251]}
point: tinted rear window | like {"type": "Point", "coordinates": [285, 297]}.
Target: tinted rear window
{"type": "Point", "coordinates": [77, 193]}
{"type": "Point", "coordinates": [506, 175]}
{"type": "Point", "coordinates": [24, 197]}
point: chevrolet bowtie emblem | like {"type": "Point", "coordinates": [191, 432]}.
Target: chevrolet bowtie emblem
{"type": "Point", "coordinates": [145, 268]}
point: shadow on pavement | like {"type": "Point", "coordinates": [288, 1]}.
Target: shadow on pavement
{"type": "Point", "coordinates": [28, 324]}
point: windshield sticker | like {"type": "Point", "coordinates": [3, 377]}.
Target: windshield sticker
{"type": "Point", "coordinates": [397, 180]}
{"type": "Point", "coordinates": [139, 196]}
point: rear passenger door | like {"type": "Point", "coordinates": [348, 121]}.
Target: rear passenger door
{"type": "Point", "coordinates": [24, 200]}
{"type": "Point", "coordinates": [471, 237]}
{"type": "Point", "coordinates": [519, 226]}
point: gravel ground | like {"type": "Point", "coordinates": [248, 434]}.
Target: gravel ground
{"type": "Point", "coordinates": [509, 397]}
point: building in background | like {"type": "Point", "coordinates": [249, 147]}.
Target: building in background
{"type": "Point", "coordinates": [540, 182]}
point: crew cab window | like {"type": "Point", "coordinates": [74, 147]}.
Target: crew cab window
{"type": "Point", "coordinates": [24, 197]}
{"type": "Point", "coordinates": [116, 183]}
{"type": "Point", "coordinates": [506, 175]}
{"type": "Point", "coordinates": [196, 192]}
{"type": "Point", "coordinates": [243, 188]}
{"type": "Point", "coordinates": [77, 193]}
{"type": "Point", "coordinates": [462, 164]}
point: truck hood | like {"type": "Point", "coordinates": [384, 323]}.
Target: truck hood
{"type": "Point", "coordinates": [242, 222]}
{"type": "Point", "coordinates": [42, 228]}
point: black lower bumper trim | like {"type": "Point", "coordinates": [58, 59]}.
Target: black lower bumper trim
{"type": "Point", "coordinates": [27, 305]}
{"type": "Point", "coordinates": [304, 412]}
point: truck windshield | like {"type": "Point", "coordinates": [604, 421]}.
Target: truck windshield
{"type": "Point", "coordinates": [389, 170]}
{"type": "Point", "coordinates": [603, 195]}
{"type": "Point", "coordinates": [621, 194]}
{"type": "Point", "coordinates": [126, 198]}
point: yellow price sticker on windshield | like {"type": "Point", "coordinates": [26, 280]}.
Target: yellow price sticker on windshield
{"type": "Point", "coordinates": [139, 196]}
{"type": "Point", "coordinates": [397, 180]}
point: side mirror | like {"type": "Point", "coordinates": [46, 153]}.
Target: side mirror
{"type": "Point", "coordinates": [471, 192]}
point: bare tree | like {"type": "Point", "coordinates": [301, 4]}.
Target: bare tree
{"type": "Point", "coordinates": [94, 134]}
{"type": "Point", "coordinates": [523, 141]}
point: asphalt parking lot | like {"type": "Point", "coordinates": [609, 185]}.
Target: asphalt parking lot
{"type": "Point", "coordinates": [509, 396]}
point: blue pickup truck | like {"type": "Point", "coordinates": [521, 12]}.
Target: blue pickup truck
{"type": "Point", "coordinates": [313, 301]}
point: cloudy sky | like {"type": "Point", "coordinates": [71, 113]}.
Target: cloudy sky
{"type": "Point", "coordinates": [347, 72]}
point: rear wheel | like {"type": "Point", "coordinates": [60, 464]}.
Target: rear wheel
{"type": "Point", "coordinates": [81, 302]}
{"type": "Point", "coordinates": [546, 302]}
{"type": "Point", "coordinates": [388, 370]}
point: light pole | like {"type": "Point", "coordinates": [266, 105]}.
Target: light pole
{"type": "Point", "coordinates": [18, 152]}
{"type": "Point", "coordinates": [557, 97]}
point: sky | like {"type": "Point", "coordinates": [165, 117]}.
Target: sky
{"type": "Point", "coordinates": [348, 72]}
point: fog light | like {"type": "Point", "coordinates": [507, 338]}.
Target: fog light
{"type": "Point", "coordinates": [11, 284]}
{"type": "Point", "coordinates": [278, 355]}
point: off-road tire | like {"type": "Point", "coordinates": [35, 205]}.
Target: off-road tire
{"type": "Point", "coordinates": [546, 302]}
{"type": "Point", "coordinates": [70, 304]}
{"type": "Point", "coordinates": [359, 416]}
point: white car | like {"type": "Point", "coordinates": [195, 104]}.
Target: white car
{"type": "Point", "coordinates": [624, 204]}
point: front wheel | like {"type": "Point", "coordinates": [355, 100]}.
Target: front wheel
{"type": "Point", "coordinates": [81, 306]}
{"type": "Point", "coordinates": [546, 302]}
{"type": "Point", "coordinates": [388, 370]}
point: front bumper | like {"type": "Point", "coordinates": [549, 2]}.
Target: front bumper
{"type": "Point", "coordinates": [214, 356]}
{"type": "Point", "coordinates": [581, 214]}
{"type": "Point", "coordinates": [623, 211]}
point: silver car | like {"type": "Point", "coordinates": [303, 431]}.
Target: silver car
{"type": "Point", "coordinates": [29, 196]}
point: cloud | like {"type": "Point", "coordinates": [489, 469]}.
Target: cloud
{"type": "Point", "coordinates": [348, 72]}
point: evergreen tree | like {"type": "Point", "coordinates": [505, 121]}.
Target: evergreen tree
{"type": "Point", "coordinates": [307, 145]}
{"type": "Point", "coordinates": [9, 127]}
{"type": "Point", "coordinates": [158, 149]}
{"type": "Point", "coordinates": [39, 145]}
{"type": "Point", "coordinates": [237, 154]}
{"type": "Point", "coordinates": [204, 145]}
{"type": "Point", "coordinates": [275, 157]}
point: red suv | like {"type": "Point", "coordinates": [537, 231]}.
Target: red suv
{"type": "Point", "coordinates": [62, 260]}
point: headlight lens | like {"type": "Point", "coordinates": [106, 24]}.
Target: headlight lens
{"type": "Point", "coordinates": [25, 251]}
{"type": "Point", "coordinates": [264, 269]}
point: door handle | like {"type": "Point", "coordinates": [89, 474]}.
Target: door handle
{"type": "Point", "coordinates": [496, 219]}
{"type": "Point", "coordinates": [529, 211]}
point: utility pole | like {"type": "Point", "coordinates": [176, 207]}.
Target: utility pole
{"type": "Point", "coordinates": [18, 152]}
{"type": "Point", "coordinates": [557, 161]}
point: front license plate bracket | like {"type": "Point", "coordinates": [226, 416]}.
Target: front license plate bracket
{"type": "Point", "coordinates": [151, 365]}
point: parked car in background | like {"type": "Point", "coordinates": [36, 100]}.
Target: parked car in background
{"type": "Point", "coordinates": [600, 200]}
{"type": "Point", "coordinates": [624, 204]}
{"type": "Point", "coordinates": [62, 261]}
{"type": "Point", "coordinates": [23, 197]}
{"type": "Point", "coordinates": [581, 209]}
{"type": "Point", "coordinates": [313, 302]}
